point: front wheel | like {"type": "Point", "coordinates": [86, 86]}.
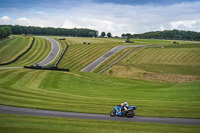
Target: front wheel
{"type": "Point", "coordinates": [112, 113]}
{"type": "Point", "coordinates": [130, 114]}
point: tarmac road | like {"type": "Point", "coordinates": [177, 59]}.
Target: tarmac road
{"type": "Point", "coordinates": [104, 57]}
{"type": "Point", "coordinates": [53, 54]}
{"type": "Point", "coordinates": [37, 112]}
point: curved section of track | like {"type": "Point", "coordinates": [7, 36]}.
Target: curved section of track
{"type": "Point", "coordinates": [37, 112]}
{"type": "Point", "coordinates": [53, 54]}
{"type": "Point", "coordinates": [104, 57]}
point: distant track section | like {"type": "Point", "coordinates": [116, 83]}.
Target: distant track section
{"type": "Point", "coordinates": [47, 113]}
{"type": "Point", "coordinates": [104, 57]}
{"type": "Point", "coordinates": [53, 54]}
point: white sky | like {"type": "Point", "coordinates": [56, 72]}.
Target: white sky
{"type": "Point", "coordinates": [108, 17]}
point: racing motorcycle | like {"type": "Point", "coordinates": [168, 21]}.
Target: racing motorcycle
{"type": "Point", "coordinates": [130, 112]}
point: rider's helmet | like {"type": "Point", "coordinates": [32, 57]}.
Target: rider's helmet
{"type": "Point", "coordinates": [126, 104]}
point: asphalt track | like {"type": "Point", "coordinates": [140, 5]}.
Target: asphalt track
{"type": "Point", "coordinates": [104, 57]}
{"type": "Point", "coordinates": [46, 113]}
{"type": "Point", "coordinates": [53, 54]}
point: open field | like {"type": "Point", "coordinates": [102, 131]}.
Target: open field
{"type": "Point", "coordinates": [11, 48]}
{"type": "Point", "coordinates": [13, 123]}
{"type": "Point", "coordinates": [98, 93]}
{"type": "Point", "coordinates": [80, 55]}
{"type": "Point", "coordinates": [37, 53]}
{"type": "Point", "coordinates": [76, 92]}
{"type": "Point", "coordinates": [179, 63]}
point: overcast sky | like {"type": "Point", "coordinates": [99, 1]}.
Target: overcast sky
{"type": "Point", "coordinates": [115, 16]}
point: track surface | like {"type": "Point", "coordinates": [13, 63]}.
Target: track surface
{"type": "Point", "coordinates": [37, 112]}
{"type": "Point", "coordinates": [104, 57]}
{"type": "Point", "coordinates": [53, 54]}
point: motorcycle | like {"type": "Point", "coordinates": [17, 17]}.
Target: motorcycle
{"type": "Point", "coordinates": [130, 112]}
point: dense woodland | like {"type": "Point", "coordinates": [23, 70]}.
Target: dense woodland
{"type": "Point", "coordinates": [5, 31]}
{"type": "Point", "coordinates": [170, 34]}
{"type": "Point", "coordinates": [16, 29]}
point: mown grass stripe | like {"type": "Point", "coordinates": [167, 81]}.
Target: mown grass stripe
{"type": "Point", "coordinates": [9, 49]}
{"type": "Point", "coordinates": [38, 52]}
{"type": "Point", "coordinates": [28, 56]}
{"type": "Point", "coordinates": [14, 78]}
{"type": "Point", "coordinates": [9, 76]}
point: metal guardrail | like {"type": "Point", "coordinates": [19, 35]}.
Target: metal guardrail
{"type": "Point", "coordinates": [128, 54]}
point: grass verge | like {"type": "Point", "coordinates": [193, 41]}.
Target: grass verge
{"type": "Point", "coordinates": [41, 48]}
{"type": "Point", "coordinates": [14, 47]}
{"type": "Point", "coordinates": [76, 92]}
{"type": "Point", "coordinates": [22, 123]}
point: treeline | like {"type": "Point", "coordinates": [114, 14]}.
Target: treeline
{"type": "Point", "coordinates": [16, 29]}
{"type": "Point", "coordinates": [5, 31]}
{"type": "Point", "coordinates": [169, 34]}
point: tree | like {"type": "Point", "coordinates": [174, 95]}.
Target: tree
{"type": "Point", "coordinates": [123, 35]}
{"type": "Point", "coordinates": [3, 33]}
{"type": "Point", "coordinates": [109, 35]}
{"type": "Point", "coordinates": [8, 31]}
{"type": "Point", "coordinates": [129, 35]}
{"type": "Point", "coordinates": [91, 34]}
{"type": "Point", "coordinates": [103, 34]}
{"type": "Point", "coordinates": [50, 31]}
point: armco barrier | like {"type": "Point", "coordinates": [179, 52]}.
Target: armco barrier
{"type": "Point", "coordinates": [61, 55]}
{"type": "Point", "coordinates": [46, 68]}
{"type": "Point", "coordinates": [20, 54]}
{"type": "Point", "coordinates": [128, 54]}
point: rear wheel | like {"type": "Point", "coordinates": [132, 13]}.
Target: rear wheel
{"type": "Point", "coordinates": [130, 114]}
{"type": "Point", "coordinates": [112, 113]}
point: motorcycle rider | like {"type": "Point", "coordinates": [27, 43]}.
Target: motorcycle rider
{"type": "Point", "coordinates": [124, 106]}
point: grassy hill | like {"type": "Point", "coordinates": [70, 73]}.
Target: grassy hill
{"type": "Point", "coordinates": [80, 55]}
{"type": "Point", "coordinates": [41, 48]}
{"type": "Point", "coordinates": [10, 48]}
{"type": "Point", "coordinates": [98, 93]}
{"type": "Point", "coordinates": [76, 92]}
{"type": "Point", "coordinates": [177, 63]}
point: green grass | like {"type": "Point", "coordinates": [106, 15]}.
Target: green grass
{"type": "Point", "coordinates": [40, 50]}
{"type": "Point", "coordinates": [17, 123]}
{"type": "Point", "coordinates": [184, 59]}
{"type": "Point", "coordinates": [79, 55]}
{"type": "Point", "coordinates": [76, 92]}
{"type": "Point", "coordinates": [11, 48]}
{"type": "Point", "coordinates": [173, 63]}
{"type": "Point", "coordinates": [95, 93]}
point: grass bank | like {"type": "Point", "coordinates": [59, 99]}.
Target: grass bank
{"type": "Point", "coordinates": [173, 63]}
{"type": "Point", "coordinates": [76, 92]}
{"type": "Point", "coordinates": [80, 55]}
{"type": "Point", "coordinates": [17, 123]}
{"type": "Point", "coordinates": [13, 47]}
{"type": "Point", "coordinates": [41, 48]}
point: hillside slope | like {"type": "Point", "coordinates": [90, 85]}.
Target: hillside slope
{"type": "Point", "coordinates": [37, 53]}
{"type": "Point", "coordinates": [177, 63]}
{"type": "Point", "coordinates": [12, 47]}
